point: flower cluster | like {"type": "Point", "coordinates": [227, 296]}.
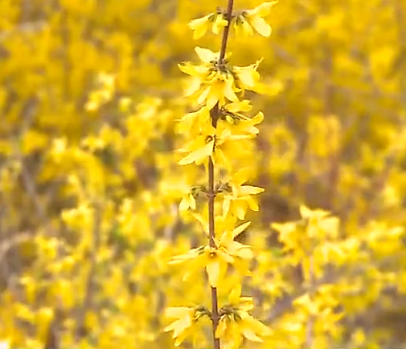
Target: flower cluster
{"type": "Point", "coordinates": [245, 22]}
{"type": "Point", "coordinates": [219, 134]}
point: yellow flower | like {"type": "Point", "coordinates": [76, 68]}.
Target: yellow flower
{"type": "Point", "coordinates": [191, 123]}
{"type": "Point", "coordinates": [188, 201]}
{"type": "Point", "coordinates": [125, 104]}
{"type": "Point", "coordinates": [216, 259]}
{"type": "Point", "coordinates": [248, 126]}
{"type": "Point", "coordinates": [241, 303]}
{"type": "Point", "coordinates": [193, 86]}
{"type": "Point", "coordinates": [189, 198]}
{"type": "Point", "coordinates": [288, 233]}
{"type": "Point", "coordinates": [201, 25]}
{"type": "Point", "coordinates": [198, 72]}
{"type": "Point", "coordinates": [228, 331]}
{"type": "Point", "coordinates": [255, 18]}
{"type": "Point", "coordinates": [220, 88]}
{"type": "Point", "coordinates": [240, 106]}
{"type": "Point", "coordinates": [242, 27]}
{"type": "Point", "coordinates": [235, 322]}
{"type": "Point", "coordinates": [97, 98]}
{"type": "Point", "coordinates": [242, 253]}
{"type": "Point", "coordinates": [235, 248]}
{"type": "Point", "coordinates": [230, 112]}
{"type": "Point", "coordinates": [211, 82]}
{"type": "Point", "coordinates": [194, 70]}
{"type": "Point", "coordinates": [106, 80]}
{"type": "Point", "coordinates": [247, 77]}
{"type": "Point", "coordinates": [305, 212]}
{"type": "Point", "coordinates": [199, 148]}
{"type": "Point", "coordinates": [212, 259]}
{"type": "Point", "coordinates": [241, 124]}
{"type": "Point", "coordinates": [239, 198]}
{"type": "Point", "coordinates": [226, 145]}
{"type": "Point", "coordinates": [219, 23]}
{"type": "Point", "coordinates": [93, 143]}
{"type": "Point", "coordinates": [319, 223]}
{"type": "Point", "coordinates": [219, 143]}
{"type": "Point", "coordinates": [207, 56]}
{"type": "Point", "coordinates": [185, 324]}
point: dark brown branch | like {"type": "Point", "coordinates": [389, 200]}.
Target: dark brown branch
{"type": "Point", "coordinates": [226, 30]}
{"type": "Point", "coordinates": [215, 114]}
{"type": "Point", "coordinates": [211, 195]}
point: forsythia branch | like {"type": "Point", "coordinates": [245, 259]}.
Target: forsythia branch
{"type": "Point", "coordinates": [215, 114]}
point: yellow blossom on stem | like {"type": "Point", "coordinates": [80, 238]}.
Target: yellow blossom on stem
{"type": "Point", "coordinates": [236, 323]}
{"type": "Point", "coordinates": [235, 248]}
{"type": "Point", "coordinates": [255, 18]}
{"type": "Point", "coordinates": [219, 143]}
{"type": "Point", "coordinates": [242, 27]}
{"type": "Point", "coordinates": [201, 25]}
{"type": "Point", "coordinates": [248, 126]}
{"type": "Point", "coordinates": [185, 324]}
{"type": "Point", "coordinates": [188, 201]}
{"type": "Point", "coordinates": [213, 82]}
{"type": "Point", "coordinates": [216, 259]}
{"type": "Point", "coordinates": [219, 24]}
{"type": "Point", "coordinates": [226, 144]}
{"type": "Point", "coordinates": [247, 77]}
{"type": "Point", "coordinates": [207, 56]}
{"type": "Point", "coordinates": [241, 124]}
{"type": "Point", "coordinates": [189, 198]}
{"type": "Point", "coordinates": [239, 197]}
{"type": "Point", "coordinates": [220, 89]}
{"type": "Point", "coordinates": [199, 150]}
{"type": "Point", "coordinates": [240, 106]}
{"type": "Point", "coordinates": [191, 123]}
{"type": "Point", "coordinates": [219, 136]}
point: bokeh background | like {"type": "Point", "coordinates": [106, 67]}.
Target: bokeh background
{"type": "Point", "coordinates": [89, 193]}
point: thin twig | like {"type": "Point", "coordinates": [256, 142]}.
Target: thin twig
{"type": "Point", "coordinates": [24, 28]}
{"type": "Point", "coordinates": [311, 319]}
{"type": "Point", "coordinates": [169, 230]}
{"type": "Point", "coordinates": [6, 245]}
{"type": "Point", "coordinates": [81, 330]}
{"type": "Point", "coordinates": [331, 276]}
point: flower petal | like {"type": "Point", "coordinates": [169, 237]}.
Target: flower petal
{"type": "Point", "coordinates": [199, 154]}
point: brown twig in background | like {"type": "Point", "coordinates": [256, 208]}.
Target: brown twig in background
{"type": "Point", "coordinates": [6, 245]}
{"type": "Point", "coordinates": [311, 319]}
{"type": "Point", "coordinates": [52, 336]}
{"type": "Point", "coordinates": [24, 28]}
{"type": "Point", "coordinates": [87, 305]}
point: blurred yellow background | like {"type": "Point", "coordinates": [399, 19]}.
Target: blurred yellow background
{"type": "Point", "coordinates": [89, 195]}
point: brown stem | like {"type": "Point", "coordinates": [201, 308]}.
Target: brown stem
{"type": "Point", "coordinates": [81, 330]}
{"type": "Point", "coordinates": [226, 30]}
{"type": "Point", "coordinates": [215, 114]}
{"type": "Point", "coordinates": [214, 298]}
